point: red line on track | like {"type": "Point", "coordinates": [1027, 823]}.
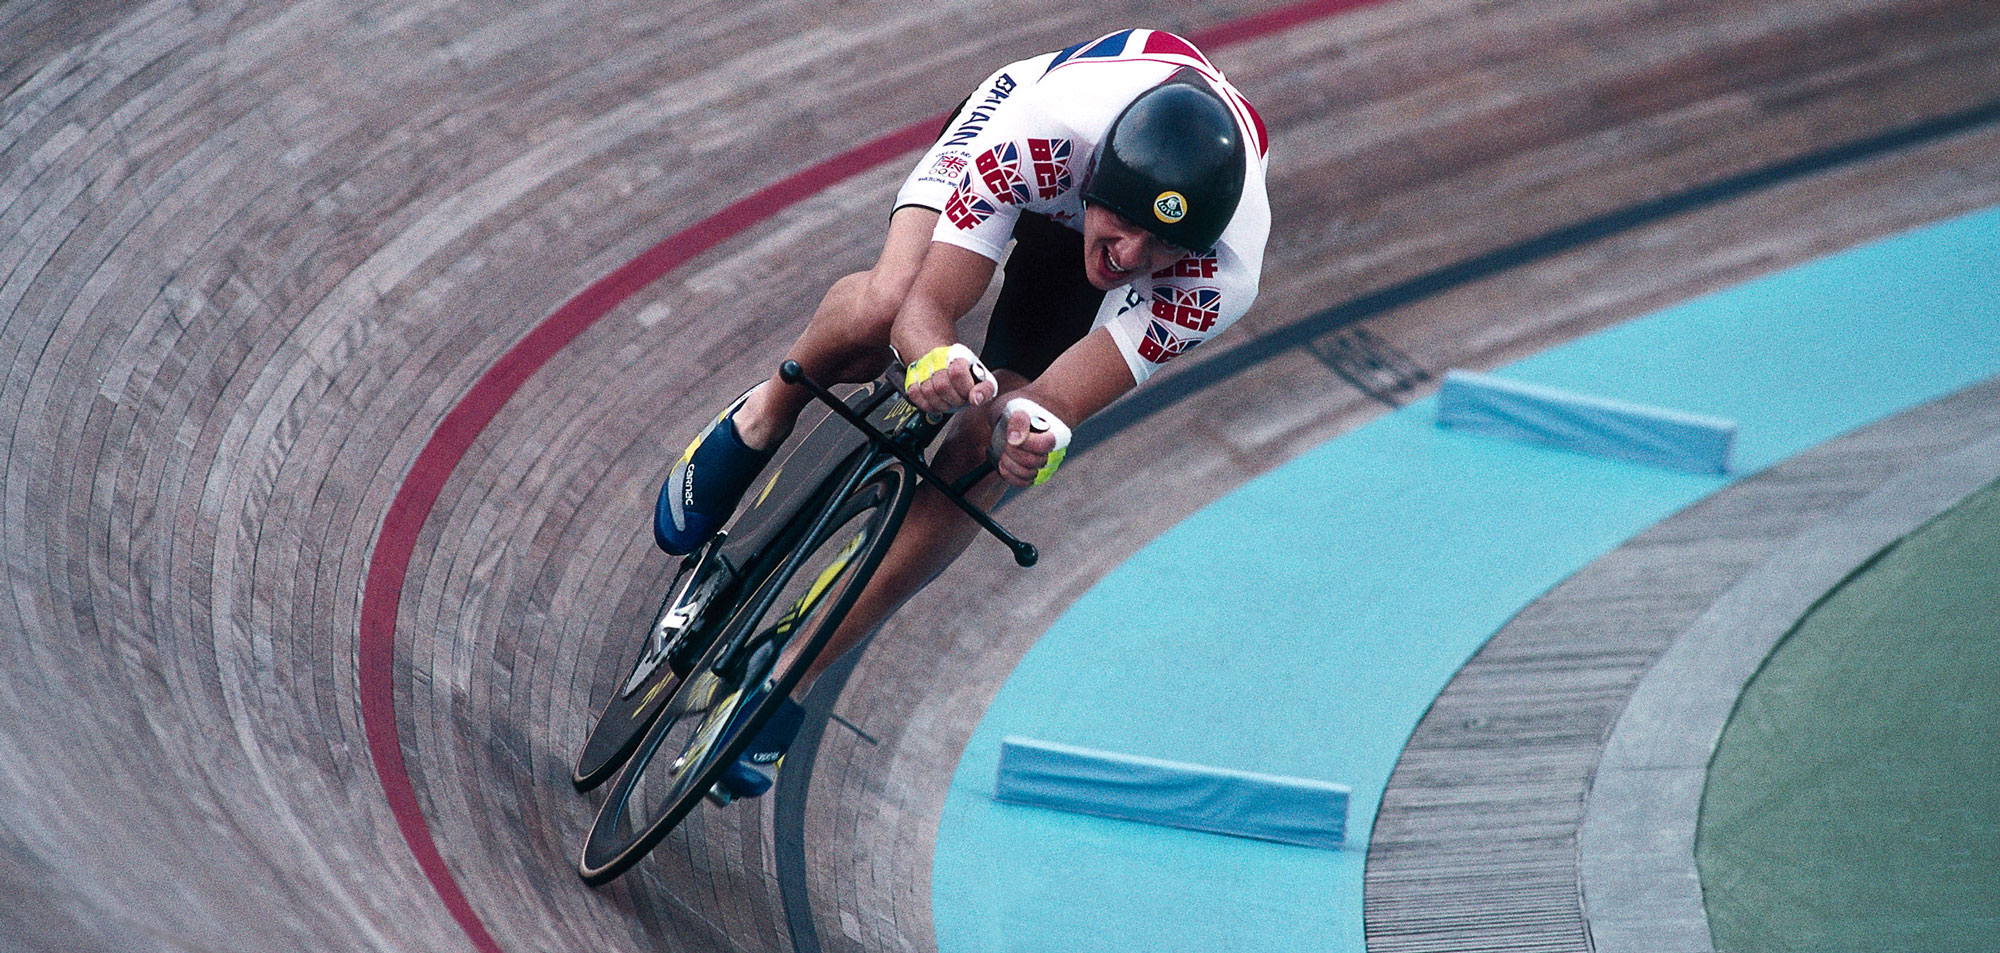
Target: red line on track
{"type": "Point", "coordinates": [394, 545]}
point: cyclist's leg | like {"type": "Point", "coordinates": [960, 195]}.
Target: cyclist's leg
{"type": "Point", "coordinates": [846, 340]}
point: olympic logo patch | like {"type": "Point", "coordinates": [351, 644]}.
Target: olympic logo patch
{"type": "Point", "coordinates": [949, 167]}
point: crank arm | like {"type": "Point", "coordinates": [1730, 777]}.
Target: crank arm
{"type": "Point", "coordinates": [698, 587]}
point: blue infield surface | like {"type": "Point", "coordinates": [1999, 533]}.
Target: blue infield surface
{"type": "Point", "coordinates": [1302, 625]}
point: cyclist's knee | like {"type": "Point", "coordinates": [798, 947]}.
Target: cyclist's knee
{"type": "Point", "coordinates": [880, 297]}
{"type": "Point", "coordinates": [964, 445]}
{"type": "Point", "coordinates": [862, 306]}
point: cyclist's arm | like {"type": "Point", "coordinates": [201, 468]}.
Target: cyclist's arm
{"type": "Point", "coordinates": [950, 282]}
{"type": "Point", "coordinates": [1085, 379]}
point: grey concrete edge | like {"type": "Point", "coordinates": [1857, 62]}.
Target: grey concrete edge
{"type": "Point", "coordinates": [1641, 890]}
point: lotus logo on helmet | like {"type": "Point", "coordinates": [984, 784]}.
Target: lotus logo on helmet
{"type": "Point", "coordinates": [1170, 207]}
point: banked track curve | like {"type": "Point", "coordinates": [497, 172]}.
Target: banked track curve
{"type": "Point", "coordinates": [254, 255]}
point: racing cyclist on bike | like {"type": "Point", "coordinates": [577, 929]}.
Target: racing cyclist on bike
{"type": "Point", "coordinates": [1129, 175]}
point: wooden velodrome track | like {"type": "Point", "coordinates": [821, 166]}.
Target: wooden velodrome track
{"type": "Point", "coordinates": [252, 255]}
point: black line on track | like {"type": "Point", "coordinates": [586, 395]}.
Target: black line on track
{"type": "Point", "coordinates": [794, 782]}
{"type": "Point", "coordinates": [788, 835]}
{"type": "Point", "coordinates": [792, 791]}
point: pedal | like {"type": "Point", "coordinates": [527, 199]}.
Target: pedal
{"type": "Point", "coordinates": [739, 782]}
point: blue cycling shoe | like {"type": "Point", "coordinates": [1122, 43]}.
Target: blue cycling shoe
{"type": "Point", "coordinates": [705, 484]}
{"type": "Point", "coordinates": [740, 781]}
{"type": "Point", "coordinates": [746, 776]}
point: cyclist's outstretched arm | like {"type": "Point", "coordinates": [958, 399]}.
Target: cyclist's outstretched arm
{"type": "Point", "coordinates": [950, 283]}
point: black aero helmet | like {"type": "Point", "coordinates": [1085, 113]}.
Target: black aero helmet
{"type": "Point", "coordinates": [1173, 163]}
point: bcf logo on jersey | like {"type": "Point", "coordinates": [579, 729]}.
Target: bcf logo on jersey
{"type": "Point", "coordinates": [1050, 158]}
{"type": "Point", "coordinates": [1000, 168]}
{"type": "Point", "coordinates": [1193, 266]}
{"type": "Point", "coordinates": [1193, 308]}
{"type": "Point", "coordinates": [967, 210]}
{"type": "Point", "coordinates": [1161, 345]}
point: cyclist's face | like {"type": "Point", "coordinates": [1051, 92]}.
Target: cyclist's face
{"type": "Point", "coordinates": [1115, 251]}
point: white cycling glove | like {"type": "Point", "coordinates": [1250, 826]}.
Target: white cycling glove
{"type": "Point", "coordinates": [1039, 421]}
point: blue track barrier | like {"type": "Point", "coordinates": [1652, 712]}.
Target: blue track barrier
{"type": "Point", "coordinates": [1195, 797]}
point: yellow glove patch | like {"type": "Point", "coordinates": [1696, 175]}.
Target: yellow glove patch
{"type": "Point", "coordinates": [1049, 469]}
{"type": "Point", "coordinates": [940, 358]}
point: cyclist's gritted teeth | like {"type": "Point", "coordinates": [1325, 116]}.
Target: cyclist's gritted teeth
{"type": "Point", "coordinates": [1111, 264]}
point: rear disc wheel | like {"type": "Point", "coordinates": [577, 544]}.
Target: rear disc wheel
{"type": "Point", "coordinates": [679, 626]}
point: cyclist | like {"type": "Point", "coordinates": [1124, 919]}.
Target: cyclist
{"type": "Point", "coordinates": [1129, 175]}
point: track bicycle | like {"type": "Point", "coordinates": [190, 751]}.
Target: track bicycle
{"type": "Point", "coordinates": [758, 604]}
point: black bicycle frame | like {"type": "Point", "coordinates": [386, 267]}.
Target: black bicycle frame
{"type": "Point", "coordinates": [1024, 553]}
{"type": "Point", "coordinates": [883, 425]}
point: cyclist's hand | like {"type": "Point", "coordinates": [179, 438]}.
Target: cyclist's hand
{"type": "Point", "coordinates": [949, 378]}
{"type": "Point", "coordinates": [1028, 443]}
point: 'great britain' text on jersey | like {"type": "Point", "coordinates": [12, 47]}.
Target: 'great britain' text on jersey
{"type": "Point", "coordinates": [975, 121]}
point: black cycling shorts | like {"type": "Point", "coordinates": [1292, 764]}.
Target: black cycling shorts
{"type": "Point", "coordinates": [1046, 303]}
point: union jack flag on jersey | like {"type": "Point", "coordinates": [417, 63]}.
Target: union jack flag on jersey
{"type": "Point", "coordinates": [1193, 308]}
{"type": "Point", "coordinates": [1050, 158]}
{"type": "Point", "coordinates": [1000, 168]}
{"type": "Point", "coordinates": [1161, 346]}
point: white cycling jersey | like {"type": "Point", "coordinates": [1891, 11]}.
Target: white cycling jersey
{"type": "Point", "coordinates": [1027, 140]}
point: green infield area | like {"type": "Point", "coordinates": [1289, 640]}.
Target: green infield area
{"type": "Point", "coordinates": [1854, 800]}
